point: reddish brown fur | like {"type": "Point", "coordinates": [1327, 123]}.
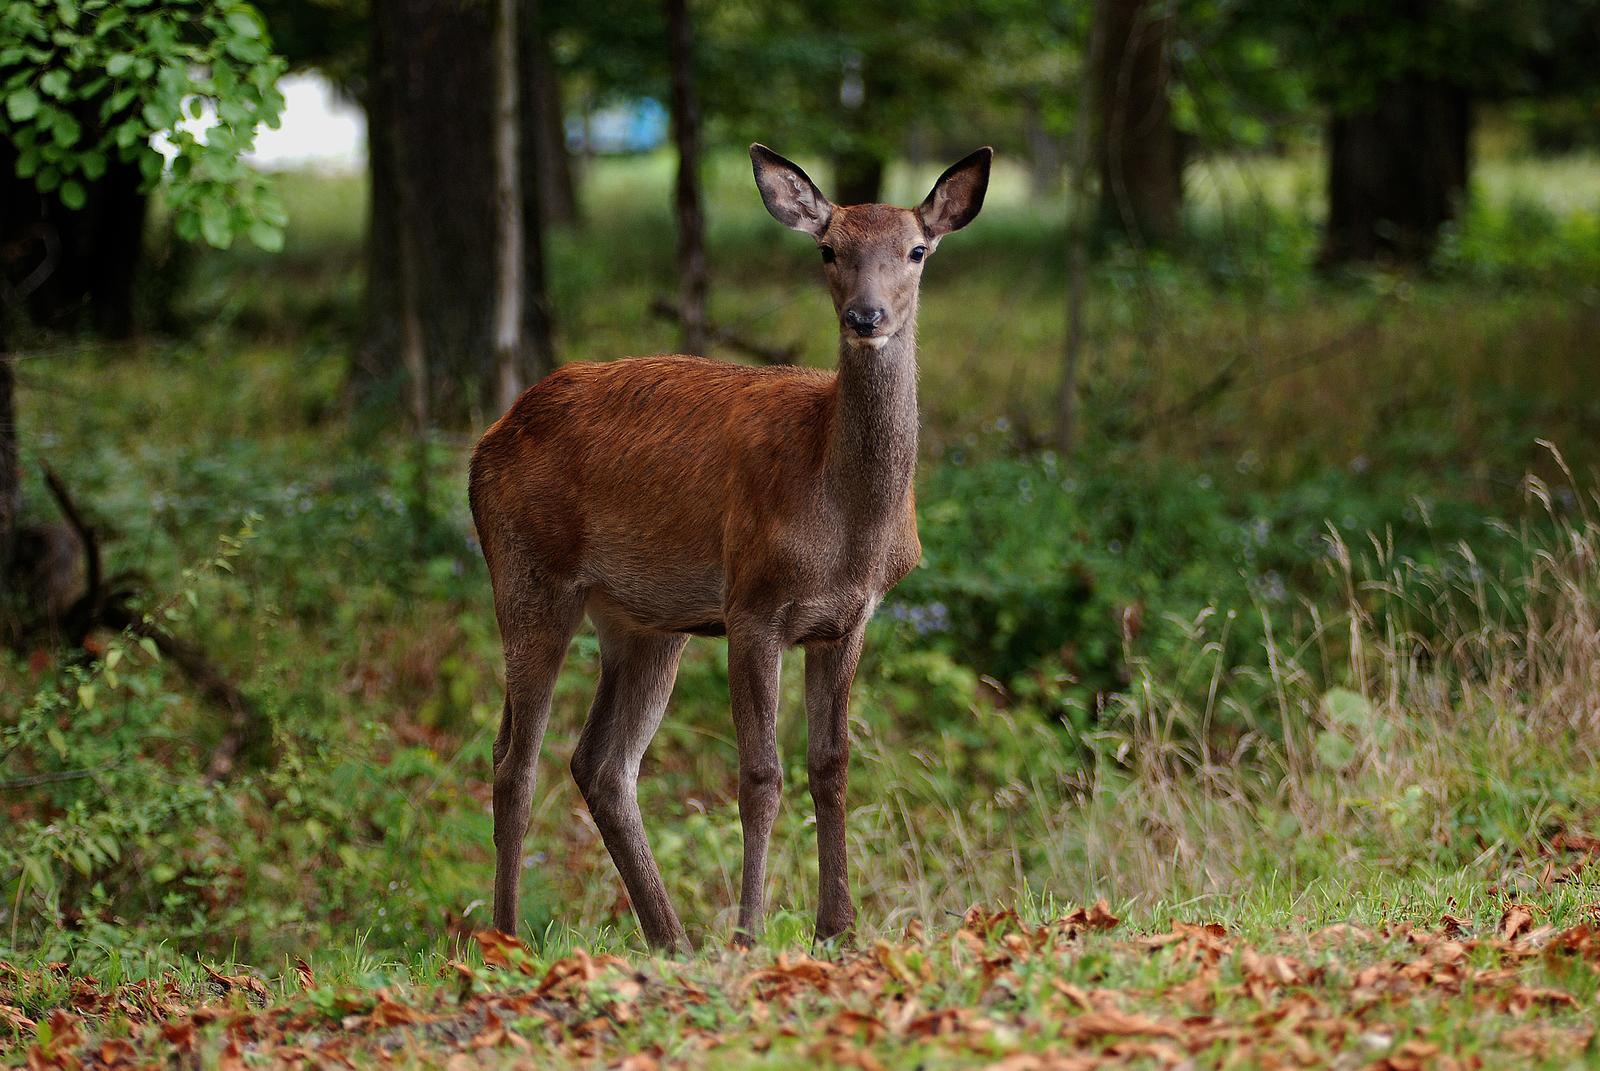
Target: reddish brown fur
{"type": "Point", "coordinates": [663, 496]}
{"type": "Point", "coordinates": [666, 458]}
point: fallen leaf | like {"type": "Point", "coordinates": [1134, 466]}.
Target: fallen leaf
{"type": "Point", "coordinates": [504, 951]}
{"type": "Point", "coordinates": [1106, 1023]}
{"type": "Point", "coordinates": [1517, 920]}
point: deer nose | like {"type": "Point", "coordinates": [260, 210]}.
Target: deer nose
{"type": "Point", "coordinates": [863, 321]}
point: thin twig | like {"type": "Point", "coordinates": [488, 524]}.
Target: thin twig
{"type": "Point", "coordinates": [721, 335]}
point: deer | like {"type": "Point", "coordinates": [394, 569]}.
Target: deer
{"type": "Point", "coordinates": [676, 496]}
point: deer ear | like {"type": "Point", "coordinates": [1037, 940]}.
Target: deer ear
{"type": "Point", "coordinates": [791, 197]}
{"type": "Point", "coordinates": [956, 197]}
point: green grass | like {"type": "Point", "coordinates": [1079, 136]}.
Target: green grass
{"type": "Point", "coordinates": [1172, 671]}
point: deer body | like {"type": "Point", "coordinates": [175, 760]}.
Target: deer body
{"type": "Point", "coordinates": [673, 496]}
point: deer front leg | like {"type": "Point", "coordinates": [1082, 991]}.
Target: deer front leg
{"type": "Point", "coordinates": [753, 663]}
{"type": "Point", "coordinates": [830, 668]}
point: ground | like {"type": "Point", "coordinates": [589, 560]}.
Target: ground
{"type": "Point", "coordinates": [1082, 989]}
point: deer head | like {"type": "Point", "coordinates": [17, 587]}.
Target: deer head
{"type": "Point", "coordinates": [872, 254]}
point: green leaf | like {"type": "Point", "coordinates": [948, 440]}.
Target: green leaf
{"type": "Point", "coordinates": [1334, 751]}
{"type": "Point", "coordinates": [243, 23]}
{"type": "Point", "coordinates": [22, 105]}
{"type": "Point", "coordinates": [67, 129]}
{"type": "Point", "coordinates": [1347, 708]}
{"type": "Point", "coordinates": [55, 82]}
{"type": "Point", "coordinates": [215, 227]}
{"type": "Point", "coordinates": [266, 236]}
{"type": "Point", "coordinates": [73, 195]}
{"type": "Point", "coordinates": [118, 65]}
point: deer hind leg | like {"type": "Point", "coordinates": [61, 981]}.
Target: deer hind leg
{"type": "Point", "coordinates": [754, 659]}
{"type": "Point", "coordinates": [637, 671]}
{"type": "Point", "coordinates": [536, 629]}
{"type": "Point", "coordinates": [830, 668]}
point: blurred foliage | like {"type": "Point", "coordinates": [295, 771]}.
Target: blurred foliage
{"type": "Point", "coordinates": [1351, 50]}
{"type": "Point", "coordinates": [84, 81]}
{"type": "Point", "coordinates": [1168, 563]}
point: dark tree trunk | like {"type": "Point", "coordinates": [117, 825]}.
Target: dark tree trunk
{"type": "Point", "coordinates": [857, 177]}
{"type": "Point", "coordinates": [544, 161]}
{"type": "Point", "coordinates": [77, 268]}
{"type": "Point", "coordinates": [686, 200]}
{"type": "Point", "coordinates": [432, 76]}
{"type": "Point", "coordinates": [10, 474]}
{"type": "Point", "coordinates": [546, 164]}
{"type": "Point", "coordinates": [1136, 145]}
{"type": "Point", "coordinates": [1397, 172]}
{"type": "Point", "coordinates": [379, 365]}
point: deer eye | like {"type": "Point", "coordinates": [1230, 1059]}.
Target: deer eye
{"type": "Point", "coordinates": [827, 254]}
{"type": "Point", "coordinates": [918, 253]}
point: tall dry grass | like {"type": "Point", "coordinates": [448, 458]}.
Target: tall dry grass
{"type": "Point", "coordinates": [1439, 717]}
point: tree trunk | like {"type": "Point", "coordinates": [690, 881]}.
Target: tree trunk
{"type": "Point", "coordinates": [431, 74]}
{"type": "Point", "coordinates": [10, 474]}
{"type": "Point", "coordinates": [858, 177]}
{"type": "Point", "coordinates": [1397, 172]}
{"type": "Point", "coordinates": [1044, 149]}
{"type": "Point", "coordinates": [380, 361]}
{"type": "Point", "coordinates": [686, 201]}
{"type": "Point", "coordinates": [546, 164]}
{"type": "Point", "coordinates": [76, 267]}
{"type": "Point", "coordinates": [544, 160]}
{"type": "Point", "coordinates": [1137, 151]}
{"type": "Point", "coordinates": [1078, 224]}
{"type": "Point", "coordinates": [510, 373]}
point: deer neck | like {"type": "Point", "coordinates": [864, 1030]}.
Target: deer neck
{"type": "Point", "coordinates": [873, 454]}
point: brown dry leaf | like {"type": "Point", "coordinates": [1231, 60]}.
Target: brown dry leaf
{"type": "Point", "coordinates": [1582, 843]}
{"type": "Point", "coordinates": [179, 1035]}
{"type": "Point", "coordinates": [1582, 940]}
{"type": "Point", "coordinates": [248, 984]}
{"type": "Point", "coordinates": [843, 1054]}
{"type": "Point", "coordinates": [1203, 944]}
{"type": "Point", "coordinates": [1096, 917]}
{"type": "Point", "coordinates": [1524, 997]}
{"type": "Point", "coordinates": [854, 1025]}
{"type": "Point", "coordinates": [1342, 933]}
{"type": "Point", "coordinates": [388, 1013]}
{"type": "Point", "coordinates": [1077, 994]}
{"type": "Point", "coordinates": [639, 1061]}
{"type": "Point", "coordinates": [1271, 970]}
{"type": "Point", "coordinates": [116, 1051]}
{"type": "Point", "coordinates": [1517, 920]}
{"type": "Point", "coordinates": [1453, 925]}
{"type": "Point", "coordinates": [1110, 1023]}
{"type": "Point", "coordinates": [231, 1058]}
{"type": "Point", "coordinates": [946, 1022]}
{"type": "Point", "coordinates": [13, 1017]}
{"type": "Point", "coordinates": [1164, 1053]}
{"type": "Point", "coordinates": [1036, 1061]}
{"type": "Point", "coordinates": [503, 951]}
{"type": "Point", "coordinates": [302, 971]}
{"type": "Point", "coordinates": [788, 976]}
{"type": "Point", "coordinates": [981, 921]}
{"type": "Point", "coordinates": [65, 1036]}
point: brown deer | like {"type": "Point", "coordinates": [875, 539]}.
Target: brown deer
{"type": "Point", "coordinates": [667, 497]}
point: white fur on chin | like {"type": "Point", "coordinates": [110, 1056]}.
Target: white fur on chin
{"type": "Point", "coordinates": [873, 342]}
